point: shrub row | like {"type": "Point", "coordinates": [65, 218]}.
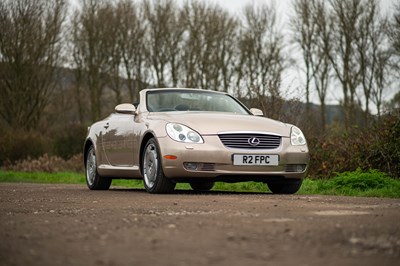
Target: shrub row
{"type": "Point", "coordinates": [46, 163]}
{"type": "Point", "coordinates": [375, 147]}
{"type": "Point", "coordinates": [18, 145]}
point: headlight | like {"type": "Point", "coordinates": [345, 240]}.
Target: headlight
{"type": "Point", "coordinates": [296, 137]}
{"type": "Point", "coordinates": [183, 133]}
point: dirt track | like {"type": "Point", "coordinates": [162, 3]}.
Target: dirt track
{"type": "Point", "coordinates": [70, 225]}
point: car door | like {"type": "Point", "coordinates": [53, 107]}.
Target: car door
{"type": "Point", "coordinates": [119, 141]}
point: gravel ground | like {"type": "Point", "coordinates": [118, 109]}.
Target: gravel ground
{"type": "Point", "coordinates": [69, 225]}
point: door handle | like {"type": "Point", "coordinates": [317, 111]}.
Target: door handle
{"type": "Point", "coordinates": [107, 126]}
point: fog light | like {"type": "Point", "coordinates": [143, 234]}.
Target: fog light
{"type": "Point", "coordinates": [301, 167]}
{"type": "Point", "coordinates": [190, 166]}
{"type": "Point", "coordinates": [296, 168]}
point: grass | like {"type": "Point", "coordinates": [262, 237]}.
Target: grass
{"type": "Point", "coordinates": [357, 183]}
{"type": "Point", "coordinates": [41, 177]}
{"type": "Point", "coordinates": [371, 183]}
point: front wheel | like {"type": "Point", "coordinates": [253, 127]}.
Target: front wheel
{"type": "Point", "coordinates": [286, 186]}
{"type": "Point", "coordinates": [93, 180]}
{"type": "Point", "coordinates": [154, 179]}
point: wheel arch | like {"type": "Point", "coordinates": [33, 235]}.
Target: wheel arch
{"type": "Point", "coordinates": [88, 144]}
{"type": "Point", "coordinates": [145, 139]}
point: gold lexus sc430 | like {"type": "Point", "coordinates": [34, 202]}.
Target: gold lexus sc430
{"type": "Point", "coordinates": [193, 136]}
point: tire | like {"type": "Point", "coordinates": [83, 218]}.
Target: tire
{"type": "Point", "coordinates": [285, 186]}
{"type": "Point", "coordinates": [95, 181]}
{"type": "Point", "coordinates": [202, 186]}
{"type": "Point", "coordinates": [154, 179]}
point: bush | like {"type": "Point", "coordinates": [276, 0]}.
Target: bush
{"type": "Point", "coordinates": [17, 145]}
{"type": "Point", "coordinates": [68, 141]}
{"type": "Point", "coordinates": [64, 142]}
{"type": "Point", "coordinates": [385, 151]}
{"type": "Point", "coordinates": [375, 147]}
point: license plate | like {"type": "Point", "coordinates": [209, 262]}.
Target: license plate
{"type": "Point", "coordinates": [243, 159]}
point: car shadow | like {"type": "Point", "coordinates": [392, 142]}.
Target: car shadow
{"type": "Point", "coordinates": [191, 192]}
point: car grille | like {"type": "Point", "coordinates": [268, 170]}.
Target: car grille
{"type": "Point", "coordinates": [251, 141]}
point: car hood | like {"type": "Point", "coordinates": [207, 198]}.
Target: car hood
{"type": "Point", "coordinates": [207, 123]}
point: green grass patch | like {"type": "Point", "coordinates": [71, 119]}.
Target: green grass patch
{"type": "Point", "coordinates": [357, 183]}
{"type": "Point", "coordinates": [40, 177]}
{"type": "Point", "coordinates": [127, 183]}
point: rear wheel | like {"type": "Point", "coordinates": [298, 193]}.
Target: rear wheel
{"type": "Point", "coordinates": [202, 186]}
{"type": "Point", "coordinates": [287, 186]}
{"type": "Point", "coordinates": [93, 180]}
{"type": "Point", "coordinates": [154, 179]}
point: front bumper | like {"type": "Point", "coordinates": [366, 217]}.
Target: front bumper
{"type": "Point", "coordinates": [215, 161]}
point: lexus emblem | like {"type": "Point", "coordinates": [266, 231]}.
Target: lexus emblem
{"type": "Point", "coordinates": [253, 141]}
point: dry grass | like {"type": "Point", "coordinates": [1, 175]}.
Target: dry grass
{"type": "Point", "coordinates": [48, 164]}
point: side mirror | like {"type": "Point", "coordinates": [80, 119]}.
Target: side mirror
{"type": "Point", "coordinates": [256, 112]}
{"type": "Point", "coordinates": [125, 108]}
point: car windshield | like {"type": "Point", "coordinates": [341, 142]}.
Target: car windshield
{"type": "Point", "coordinates": [174, 100]}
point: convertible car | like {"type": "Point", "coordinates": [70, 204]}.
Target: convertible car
{"type": "Point", "coordinates": [197, 137]}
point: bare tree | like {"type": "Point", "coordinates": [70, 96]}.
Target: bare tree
{"type": "Point", "coordinates": [30, 49]}
{"type": "Point", "coordinates": [208, 50]}
{"type": "Point", "coordinates": [347, 14]}
{"type": "Point", "coordinates": [320, 63]}
{"type": "Point", "coordinates": [394, 37]}
{"type": "Point", "coordinates": [261, 60]}
{"type": "Point", "coordinates": [91, 49]}
{"type": "Point", "coordinates": [381, 77]}
{"type": "Point", "coordinates": [165, 35]}
{"type": "Point", "coordinates": [227, 52]}
{"type": "Point", "coordinates": [303, 26]}
{"type": "Point", "coordinates": [371, 41]}
{"type": "Point", "coordinates": [132, 40]}
{"type": "Point", "coordinates": [193, 14]}
{"type": "Point", "coordinates": [115, 51]}
{"type": "Point", "coordinates": [311, 28]}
